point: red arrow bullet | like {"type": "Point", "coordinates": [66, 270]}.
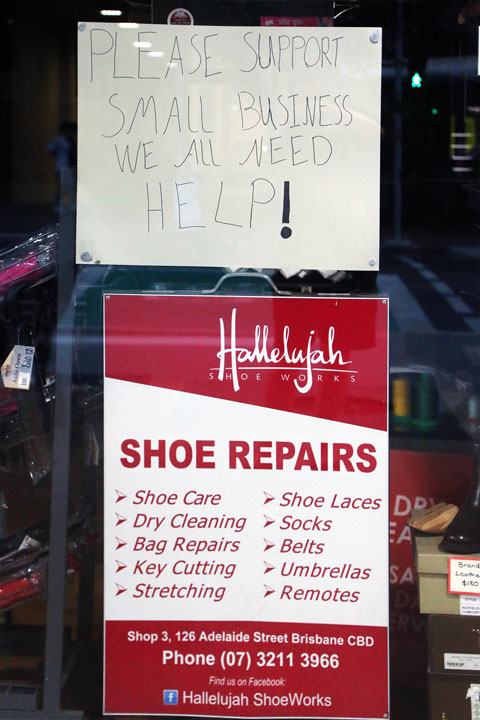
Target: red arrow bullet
{"type": "Point", "coordinates": [268, 567]}
{"type": "Point", "coordinates": [268, 498]}
{"type": "Point", "coordinates": [120, 565]}
{"type": "Point", "coordinates": [268, 521]}
{"type": "Point", "coordinates": [268, 544]}
{"type": "Point", "coordinates": [121, 543]}
{"type": "Point", "coordinates": [120, 519]}
{"type": "Point", "coordinates": [120, 496]}
{"type": "Point", "coordinates": [120, 589]}
{"type": "Point", "coordinates": [268, 590]}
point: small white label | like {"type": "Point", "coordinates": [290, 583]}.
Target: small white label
{"type": "Point", "coordinates": [464, 575]}
{"type": "Point", "coordinates": [469, 605]}
{"type": "Point", "coordinates": [17, 368]}
{"type": "Point", "coordinates": [461, 661]}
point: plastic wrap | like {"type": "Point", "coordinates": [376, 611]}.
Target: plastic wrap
{"type": "Point", "coordinates": [20, 586]}
{"type": "Point", "coordinates": [32, 260]}
{"type": "Point", "coordinates": [24, 558]}
{"type": "Point", "coordinates": [28, 318]}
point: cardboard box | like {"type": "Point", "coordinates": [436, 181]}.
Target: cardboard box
{"type": "Point", "coordinates": [454, 645]}
{"type": "Point", "coordinates": [454, 667]}
{"type": "Point", "coordinates": [448, 697]}
{"type": "Point", "coordinates": [432, 571]}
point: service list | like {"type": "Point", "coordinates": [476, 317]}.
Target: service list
{"type": "Point", "coordinates": [246, 546]}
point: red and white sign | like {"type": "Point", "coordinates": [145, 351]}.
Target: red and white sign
{"type": "Point", "coordinates": [289, 21]}
{"type": "Point", "coordinates": [180, 16]}
{"type": "Point", "coordinates": [246, 510]}
{"type": "Point", "coordinates": [417, 480]}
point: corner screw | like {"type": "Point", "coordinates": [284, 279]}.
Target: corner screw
{"type": "Point", "coordinates": [81, 27]}
{"type": "Point", "coordinates": [375, 36]}
{"type": "Point", "coordinates": [372, 262]}
{"type": "Point", "coordinates": [86, 257]}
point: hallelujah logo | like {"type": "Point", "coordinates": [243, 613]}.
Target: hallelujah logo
{"type": "Point", "coordinates": [237, 359]}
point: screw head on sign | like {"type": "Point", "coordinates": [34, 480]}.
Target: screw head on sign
{"type": "Point", "coordinates": [81, 27]}
{"type": "Point", "coordinates": [86, 257]}
{"type": "Point", "coordinates": [372, 262]}
{"type": "Point", "coordinates": [375, 36]}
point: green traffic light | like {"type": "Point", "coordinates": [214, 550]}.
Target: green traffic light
{"type": "Point", "coordinates": [434, 111]}
{"type": "Point", "coordinates": [416, 80]}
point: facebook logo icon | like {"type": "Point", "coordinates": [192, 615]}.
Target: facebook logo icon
{"type": "Point", "coordinates": [170, 697]}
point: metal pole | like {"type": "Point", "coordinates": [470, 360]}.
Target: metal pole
{"type": "Point", "coordinates": [61, 455]}
{"type": "Point", "coordinates": [398, 128]}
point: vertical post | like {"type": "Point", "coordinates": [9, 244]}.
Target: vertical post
{"type": "Point", "coordinates": [87, 577]}
{"type": "Point", "coordinates": [398, 128]}
{"type": "Point", "coordinates": [3, 519]}
{"type": "Point", "coordinates": [61, 450]}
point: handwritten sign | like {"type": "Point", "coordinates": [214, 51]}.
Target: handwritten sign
{"type": "Point", "coordinates": [464, 575]}
{"type": "Point", "coordinates": [229, 146]}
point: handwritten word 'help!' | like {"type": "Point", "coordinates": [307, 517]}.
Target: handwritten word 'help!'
{"type": "Point", "coordinates": [261, 192]}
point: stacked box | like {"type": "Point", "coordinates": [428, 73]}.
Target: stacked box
{"type": "Point", "coordinates": [432, 572]}
{"type": "Point", "coordinates": [454, 667]}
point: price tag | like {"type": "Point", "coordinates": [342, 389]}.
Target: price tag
{"type": "Point", "coordinates": [464, 576]}
{"type": "Point", "coordinates": [17, 368]}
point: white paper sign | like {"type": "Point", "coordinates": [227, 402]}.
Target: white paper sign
{"type": "Point", "coordinates": [229, 146]}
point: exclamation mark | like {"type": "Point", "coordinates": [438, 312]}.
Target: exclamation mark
{"type": "Point", "coordinates": [286, 231]}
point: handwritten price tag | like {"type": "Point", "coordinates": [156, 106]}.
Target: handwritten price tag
{"type": "Point", "coordinates": [464, 576]}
